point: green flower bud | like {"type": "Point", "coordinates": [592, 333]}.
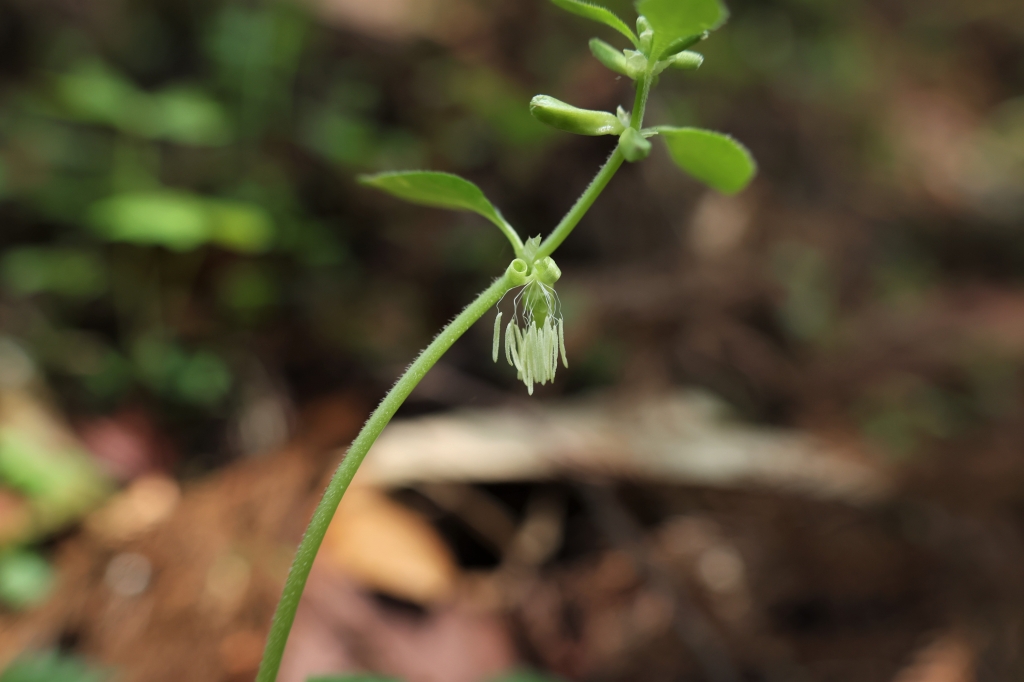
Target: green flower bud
{"type": "Point", "coordinates": [634, 146]}
{"type": "Point", "coordinates": [687, 60]}
{"type": "Point", "coordinates": [547, 271]}
{"type": "Point", "coordinates": [608, 55]}
{"type": "Point", "coordinates": [623, 116]}
{"type": "Point", "coordinates": [646, 31]}
{"type": "Point", "coordinates": [558, 114]}
{"type": "Point", "coordinates": [636, 63]}
{"type": "Point", "coordinates": [682, 44]}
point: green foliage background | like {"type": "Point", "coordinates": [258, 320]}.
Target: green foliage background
{"type": "Point", "coordinates": [178, 202]}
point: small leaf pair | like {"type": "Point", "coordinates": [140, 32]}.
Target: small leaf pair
{"type": "Point", "coordinates": [713, 158]}
{"type": "Point", "coordinates": [634, 64]}
{"type": "Point", "coordinates": [673, 22]}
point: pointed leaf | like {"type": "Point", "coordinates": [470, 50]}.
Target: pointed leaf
{"type": "Point", "coordinates": [601, 15]}
{"type": "Point", "coordinates": [176, 220]}
{"type": "Point", "coordinates": [713, 158]}
{"type": "Point", "coordinates": [608, 55]}
{"type": "Point", "coordinates": [439, 190]}
{"type": "Point", "coordinates": [181, 221]}
{"type": "Point", "coordinates": [675, 19]}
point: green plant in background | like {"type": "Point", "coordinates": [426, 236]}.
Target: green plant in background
{"type": "Point", "coordinates": [169, 181]}
{"type": "Point", "coordinates": [52, 667]}
{"type": "Point", "coordinates": [666, 29]}
{"type": "Point", "coordinates": [25, 578]}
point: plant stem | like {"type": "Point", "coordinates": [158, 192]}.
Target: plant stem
{"type": "Point", "coordinates": [601, 180]}
{"type": "Point", "coordinates": [512, 236]}
{"type": "Point", "coordinates": [582, 205]}
{"type": "Point", "coordinates": [643, 89]}
{"type": "Point", "coordinates": [310, 544]}
{"type": "Point", "coordinates": [284, 616]}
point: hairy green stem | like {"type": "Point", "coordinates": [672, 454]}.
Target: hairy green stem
{"type": "Point", "coordinates": [643, 90]}
{"type": "Point", "coordinates": [284, 616]}
{"type": "Point", "coordinates": [310, 544]}
{"type": "Point", "coordinates": [512, 236]}
{"type": "Point", "coordinates": [582, 205]}
{"type": "Point", "coordinates": [601, 180]}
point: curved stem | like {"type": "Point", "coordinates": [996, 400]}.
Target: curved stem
{"type": "Point", "coordinates": [512, 236]}
{"type": "Point", "coordinates": [284, 616]}
{"type": "Point", "coordinates": [303, 562]}
{"type": "Point", "coordinates": [601, 180]}
{"type": "Point", "coordinates": [582, 205]}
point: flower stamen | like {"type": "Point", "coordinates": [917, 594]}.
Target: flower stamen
{"type": "Point", "coordinates": [535, 336]}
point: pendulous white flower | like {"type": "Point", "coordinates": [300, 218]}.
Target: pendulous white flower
{"type": "Point", "coordinates": [534, 337]}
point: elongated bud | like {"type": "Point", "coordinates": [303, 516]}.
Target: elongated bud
{"type": "Point", "coordinates": [608, 55]}
{"type": "Point", "coordinates": [682, 44]}
{"type": "Point", "coordinates": [646, 31]}
{"type": "Point", "coordinates": [687, 60]}
{"type": "Point", "coordinates": [558, 114]}
{"type": "Point", "coordinates": [633, 145]}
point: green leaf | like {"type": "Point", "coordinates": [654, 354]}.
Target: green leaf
{"type": "Point", "coordinates": [680, 44]}
{"type": "Point", "coordinates": [61, 483]}
{"type": "Point", "coordinates": [94, 92]}
{"type": "Point", "coordinates": [189, 116]}
{"type": "Point", "coordinates": [342, 138]}
{"type": "Point", "coordinates": [247, 288]}
{"type": "Point", "coordinates": [203, 380]}
{"type": "Point", "coordinates": [69, 272]}
{"type": "Point", "coordinates": [240, 226]}
{"type": "Point", "coordinates": [25, 579]}
{"type": "Point", "coordinates": [439, 190]}
{"type": "Point", "coordinates": [713, 158]}
{"type": "Point", "coordinates": [181, 221]}
{"type": "Point", "coordinates": [601, 15]}
{"type": "Point", "coordinates": [51, 667]}
{"type": "Point", "coordinates": [176, 220]}
{"type": "Point", "coordinates": [675, 19]}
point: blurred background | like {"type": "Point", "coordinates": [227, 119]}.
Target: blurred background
{"type": "Point", "coordinates": [790, 442]}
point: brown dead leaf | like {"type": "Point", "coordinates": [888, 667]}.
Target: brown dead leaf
{"type": "Point", "coordinates": [389, 548]}
{"type": "Point", "coordinates": [139, 508]}
{"type": "Point", "coordinates": [947, 659]}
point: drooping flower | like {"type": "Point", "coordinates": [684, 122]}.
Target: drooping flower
{"type": "Point", "coordinates": [534, 337]}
